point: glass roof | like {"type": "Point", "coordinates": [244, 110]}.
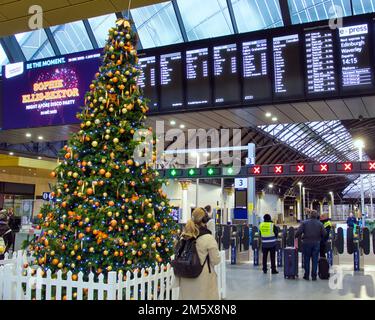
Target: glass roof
{"type": "Point", "coordinates": [264, 14]}
{"type": "Point", "coordinates": [324, 141]}
{"type": "Point", "coordinates": [72, 37]}
{"type": "Point", "coordinates": [157, 25]}
{"type": "Point", "coordinates": [211, 20]}
{"type": "Point", "coordinates": [315, 10]}
{"type": "Point", "coordinates": [100, 26]}
{"type": "Point", "coordinates": [171, 22]}
{"type": "Point", "coordinates": [3, 58]}
{"type": "Point", "coordinates": [35, 44]}
{"type": "Point", "coordinates": [354, 189]}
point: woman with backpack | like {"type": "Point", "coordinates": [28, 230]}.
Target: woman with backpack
{"type": "Point", "coordinates": [197, 282]}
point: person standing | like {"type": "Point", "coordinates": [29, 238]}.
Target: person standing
{"type": "Point", "coordinates": [268, 232]}
{"type": "Point", "coordinates": [351, 221]}
{"type": "Point", "coordinates": [204, 287]}
{"type": "Point", "coordinates": [312, 232]}
{"type": "Point", "coordinates": [6, 234]}
{"type": "Point", "coordinates": [328, 227]}
{"type": "Point", "coordinates": [211, 222]}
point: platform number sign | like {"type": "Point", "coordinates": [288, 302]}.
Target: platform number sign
{"type": "Point", "coordinates": [47, 196]}
{"type": "Point", "coordinates": [240, 183]}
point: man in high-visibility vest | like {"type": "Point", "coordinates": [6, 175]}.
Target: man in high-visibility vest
{"type": "Point", "coordinates": [327, 224]}
{"type": "Point", "coordinates": [268, 232]}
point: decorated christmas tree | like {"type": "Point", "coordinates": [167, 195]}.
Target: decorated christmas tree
{"type": "Point", "coordinates": [110, 212]}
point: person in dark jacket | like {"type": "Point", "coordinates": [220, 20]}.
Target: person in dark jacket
{"type": "Point", "coordinates": [312, 232]}
{"type": "Point", "coordinates": [5, 233]}
{"type": "Point", "coordinates": [351, 221]}
{"type": "Point", "coordinates": [268, 232]}
{"type": "Point", "coordinates": [328, 227]}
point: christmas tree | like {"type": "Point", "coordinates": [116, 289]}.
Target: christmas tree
{"type": "Point", "coordinates": [110, 212]}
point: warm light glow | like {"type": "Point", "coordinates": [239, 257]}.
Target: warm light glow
{"type": "Point", "coordinates": [40, 138]}
{"type": "Point", "coordinates": [172, 123]}
{"type": "Point", "coordinates": [11, 153]}
{"type": "Point", "coordinates": [28, 135]}
{"type": "Point", "coordinates": [182, 126]}
{"type": "Point", "coordinates": [300, 183]}
{"type": "Point", "coordinates": [268, 114]}
{"type": "Point", "coordinates": [274, 119]}
{"type": "Point", "coordinates": [270, 186]}
{"type": "Point", "coordinates": [359, 143]}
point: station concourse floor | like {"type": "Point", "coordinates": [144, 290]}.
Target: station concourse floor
{"type": "Point", "coordinates": [246, 282]}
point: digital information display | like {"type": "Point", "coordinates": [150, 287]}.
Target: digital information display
{"type": "Point", "coordinates": [287, 67]}
{"type": "Point", "coordinates": [256, 79]}
{"type": "Point", "coordinates": [355, 57]}
{"type": "Point", "coordinates": [47, 92]}
{"type": "Point", "coordinates": [320, 62]}
{"type": "Point", "coordinates": [226, 76]}
{"type": "Point", "coordinates": [197, 77]}
{"type": "Point", "coordinates": [171, 80]}
{"type": "Point", "coordinates": [147, 80]}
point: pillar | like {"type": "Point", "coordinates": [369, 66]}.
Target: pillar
{"type": "Point", "coordinates": [298, 210]}
{"type": "Point", "coordinates": [321, 207]}
{"type": "Point", "coordinates": [225, 215]}
{"type": "Point", "coordinates": [330, 206]}
{"type": "Point", "coordinates": [186, 214]}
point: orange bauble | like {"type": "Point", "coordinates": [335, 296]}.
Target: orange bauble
{"type": "Point", "coordinates": [90, 191]}
{"type": "Point", "coordinates": [108, 175]}
{"type": "Point", "coordinates": [40, 216]}
{"type": "Point", "coordinates": [68, 155]}
{"type": "Point", "coordinates": [102, 172]}
{"type": "Point", "coordinates": [130, 162]}
{"type": "Point", "coordinates": [81, 236]}
{"type": "Point", "coordinates": [111, 203]}
{"type": "Point", "coordinates": [55, 262]}
{"type": "Point", "coordinates": [113, 223]}
{"type": "Point", "coordinates": [63, 204]}
{"type": "Point", "coordinates": [53, 174]}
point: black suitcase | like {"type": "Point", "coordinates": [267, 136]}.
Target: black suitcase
{"type": "Point", "coordinates": [323, 268]}
{"type": "Point", "coordinates": [290, 263]}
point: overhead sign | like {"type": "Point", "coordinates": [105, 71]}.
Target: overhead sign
{"type": "Point", "coordinates": [47, 196]}
{"type": "Point", "coordinates": [240, 183]}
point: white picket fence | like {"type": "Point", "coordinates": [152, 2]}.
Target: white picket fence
{"type": "Point", "coordinates": [18, 283]}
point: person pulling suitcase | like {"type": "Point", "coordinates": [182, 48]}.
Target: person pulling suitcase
{"type": "Point", "coordinates": [312, 232]}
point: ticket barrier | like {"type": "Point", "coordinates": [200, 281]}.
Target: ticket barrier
{"type": "Point", "coordinates": [358, 244]}
{"type": "Point", "coordinates": [256, 245]}
{"type": "Point", "coordinates": [280, 245]}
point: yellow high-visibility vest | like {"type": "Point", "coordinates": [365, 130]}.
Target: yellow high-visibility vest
{"type": "Point", "coordinates": [266, 230]}
{"type": "Point", "coordinates": [327, 224]}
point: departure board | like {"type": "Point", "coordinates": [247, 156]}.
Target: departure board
{"type": "Point", "coordinates": [226, 77]}
{"type": "Point", "coordinates": [287, 67]}
{"type": "Point", "coordinates": [197, 77]}
{"type": "Point", "coordinates": [355, 58]}
{"type": "Point", "coordinates": [256, 80]}
{"type": "Point", "coordinates": [320, 62]}
{"type": "Point", "coordinates": [147, 80]}
{"type": "Point", "coordinates": [171, 82]}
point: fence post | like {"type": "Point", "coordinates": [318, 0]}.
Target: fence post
{"type": "Point", "coordinates": [111, 282]}
{"type": "Point", "coordinates": [8, 279]}
{"type": "Point", "coordinates": [223, 276]}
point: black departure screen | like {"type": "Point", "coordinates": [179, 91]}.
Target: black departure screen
{"type": "Point", "coordinates": [287, 66]}
{"type": "Point", "coordinates": [171, 80]}
{"type": "Point", "coordinates": [320, 62]}
{"type": "Point", "coordinates": [355, 58]}
{"type": "Point", "coordinates": [226, 79]}
{"type": "Point", "coordinates": [256, 81]}
{"type": "Point", "coordinates": [147, 80]}
{"type": "Point", "coordinates": [197, 74]}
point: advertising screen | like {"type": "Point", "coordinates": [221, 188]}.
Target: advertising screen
{"type": "Point", "coordinates": [171, 80]}
{"type": "Point", "coordinates": [256, 80]}
{"type": "Point", "coordinates": [197, 77]}
{"type": "Point", "coordinates": [47, 92]}
{"type": "Point", "coordinates": [356, 67]}
{"type": "Point", "coordinates": [226, 76]}
{"type": "Point", "coordinates": [287, 67]}
{"type": "Point", "coordinates": [320, 62]}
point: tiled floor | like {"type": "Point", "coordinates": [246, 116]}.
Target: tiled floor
{"type": "Point", "coordinates": [244, 281]}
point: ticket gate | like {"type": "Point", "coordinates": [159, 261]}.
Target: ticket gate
{"type": "Point", "coordinates": [358, 244]}
{"type": "Point", "coordinates": [256, 245]}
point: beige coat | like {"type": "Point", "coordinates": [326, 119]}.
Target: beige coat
{"type": "Point", "coordinates": [205, 286]}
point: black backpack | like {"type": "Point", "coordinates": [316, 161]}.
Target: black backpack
{"type": "Point", "coordinates": [186, 263]}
